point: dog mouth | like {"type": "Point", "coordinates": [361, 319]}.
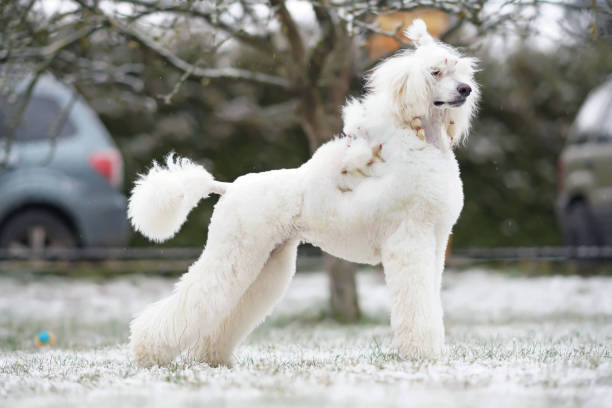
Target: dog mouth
{"type": "Point", "coordinates": [453, 104]}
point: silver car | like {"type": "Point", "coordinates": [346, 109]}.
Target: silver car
{"type": "Point", "coordinates": [584, 203]}
{"type": "Point", "coordinates": [62, 191]}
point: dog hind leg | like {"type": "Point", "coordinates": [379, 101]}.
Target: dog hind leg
{"type": "Point", "coordinates": [200, 301]}
{"type": "Point", "coordinates": [202, 298]}
{"type": "Point", "coordinates": [254, 306]}
{"type": "Point", "coordinates": [239, 244]}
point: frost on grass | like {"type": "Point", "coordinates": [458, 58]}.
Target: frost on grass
{"type": "Point", "coordinates": [512, 342]}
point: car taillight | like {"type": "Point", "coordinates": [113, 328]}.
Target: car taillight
{"type": "Point", "coordinates": [109, 164]}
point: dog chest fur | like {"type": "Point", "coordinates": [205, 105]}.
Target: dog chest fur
{"type": "Point", "coordinates": [416, 180]}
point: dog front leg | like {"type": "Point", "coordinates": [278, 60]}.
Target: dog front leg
{"type": "Point", "coordinates": [411, 272]}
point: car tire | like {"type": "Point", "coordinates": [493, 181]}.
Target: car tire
{"type": "Point", "coordinates": [36, 229]}
{"type": "Point", "coordinates": [581, 229]}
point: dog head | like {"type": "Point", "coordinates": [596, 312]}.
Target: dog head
{"type": "Point", "coordinates": [433, 77]}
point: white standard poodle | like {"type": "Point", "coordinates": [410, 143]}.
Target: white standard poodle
{"type": "Point", "coordinates": [388, 190]}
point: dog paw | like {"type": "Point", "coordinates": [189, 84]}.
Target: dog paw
{"type": "Point", "coordinates": [423, 343]}
{"type": "Point", "coordinates": [421, 351]}
{"type": "Point", "coordinates": [147, 344]}
{"type": "Point", "coordinates": [149, 351]}
{"type": "Point", "coordinates": [146, 354]}
{"type": "Point", "coordinates": [210, 352]}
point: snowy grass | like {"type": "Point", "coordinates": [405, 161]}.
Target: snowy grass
{"type": "Point", "coordinates": [512, 342]}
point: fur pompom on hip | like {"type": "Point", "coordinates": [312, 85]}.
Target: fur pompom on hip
{"type": "Point", "coordinates": [162, 198]}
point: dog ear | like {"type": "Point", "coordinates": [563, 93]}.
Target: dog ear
{"type": "Point", "coordinates": [410, 94]}
{"type": "Point", "coordinates": [403, 81]}
{"type": "Point", "coordinates": [417, 33]}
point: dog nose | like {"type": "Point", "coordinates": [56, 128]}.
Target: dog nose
{"type": "Point", "coordinates": [464, 90]}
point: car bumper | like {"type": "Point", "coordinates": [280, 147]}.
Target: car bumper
{"type": "Point", "coordinates": [602, 219]}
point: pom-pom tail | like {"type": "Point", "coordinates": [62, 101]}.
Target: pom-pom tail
{"type": "Point", "coordinates": [162, 198]}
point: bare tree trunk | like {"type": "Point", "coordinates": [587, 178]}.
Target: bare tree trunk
{"type": "Point", "coordinates": [342, 288]}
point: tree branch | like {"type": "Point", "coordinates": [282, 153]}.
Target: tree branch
{"type": "Point", "coordinates": [261, 43]}
{"type": "Point", "coordinates": [101, 72]}
{"type": "Point", "coordinates": [452, 29]}
{"type": "Point", "coordinates": [291, 31]}
{"type": "Point", "coordinates": [198, 72]}
{"type": "Point", "coordinates": [50, 52]}
{"type": "Point", "coordinates": [376, 30]}
{"type": "Point", "coordinates": [326, 44]}
{"type": "Point", "coordinates": [59, 124]}
{"type": "Point", "coordinates": [53, 48]}
{"type": "Point", "coordinates": [177, 86]}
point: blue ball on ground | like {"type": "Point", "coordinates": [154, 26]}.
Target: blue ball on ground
{"type": "Point", "coordinates": [45, 338]}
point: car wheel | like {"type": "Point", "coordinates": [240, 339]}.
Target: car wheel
{"type": "Point", "coordinates": [581, 230]}
{"type": "Point", "coordinates": [36, 230]}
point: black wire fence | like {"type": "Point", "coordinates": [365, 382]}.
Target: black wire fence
{"type": "Point", "coordinates": [552, 253]}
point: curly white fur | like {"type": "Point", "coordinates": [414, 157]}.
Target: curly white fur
{"type": "Point", "coordinates": [162, 199]}
{"type": "Point", "coordinates": [387, 191]}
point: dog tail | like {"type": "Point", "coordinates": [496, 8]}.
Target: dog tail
{"type": "Point", "coordinates": [162, 198]}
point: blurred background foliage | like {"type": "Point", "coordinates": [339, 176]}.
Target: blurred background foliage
{"type": "Point", "coordinates": [248, 86]}
{"type": "Point", "coordinates": [530, 97]}
{"type": "Point", "coordinates": [232, 127]}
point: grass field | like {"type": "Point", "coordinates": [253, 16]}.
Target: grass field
{"type": "Point", "coordinates": [512, 342]}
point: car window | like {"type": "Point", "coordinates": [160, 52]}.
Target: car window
{"type": "Point", "coordinates": [40, 120]}
{"type": "Point", "coordinates": [592, 114]}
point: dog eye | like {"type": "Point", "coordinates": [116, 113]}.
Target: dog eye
{"type": "Point", "coordinates": [436, 73]}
